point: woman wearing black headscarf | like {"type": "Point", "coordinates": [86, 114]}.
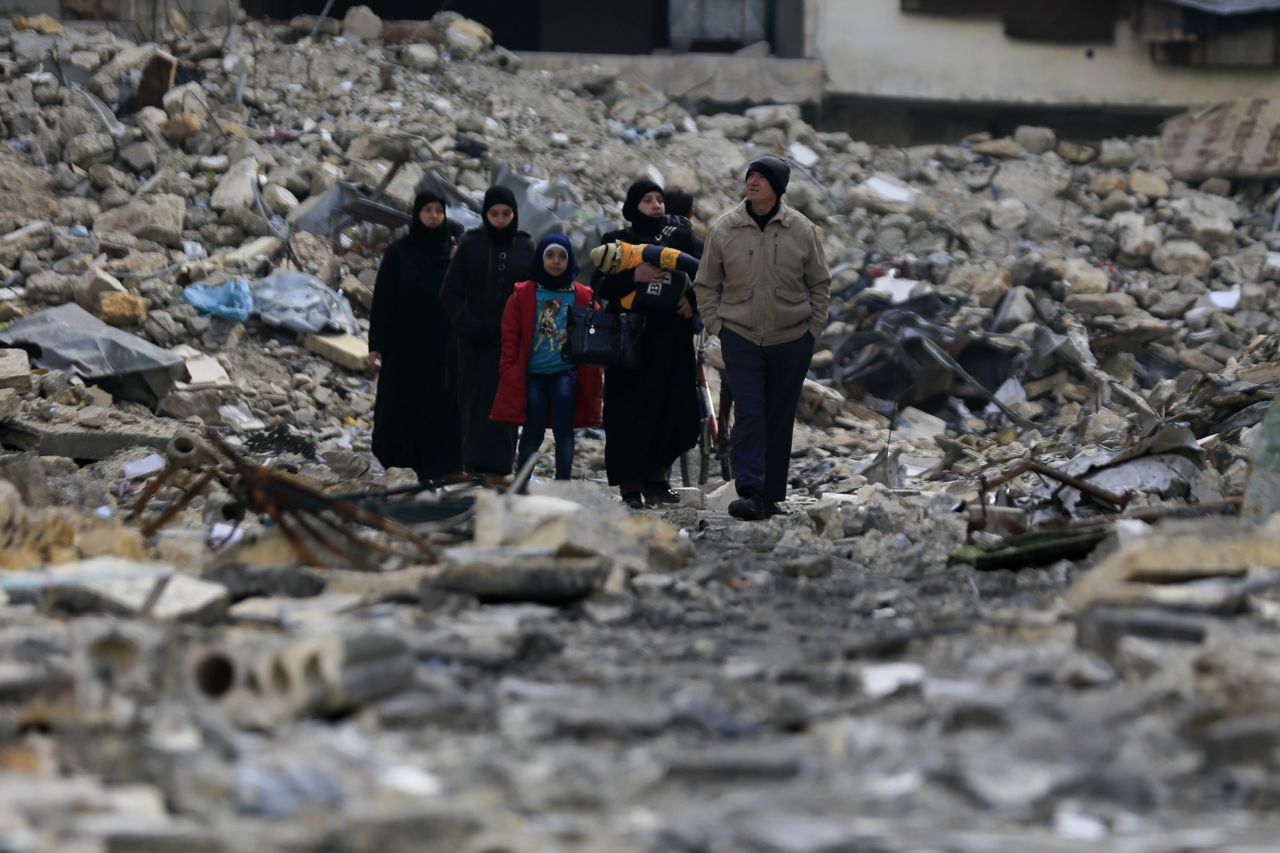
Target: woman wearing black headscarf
{"type": "Point", "coordinates": [414, 416]}
{"type": "Point", "coordinates": [488, 263]}
{"type": "Point", "coordinates": [651, 412]}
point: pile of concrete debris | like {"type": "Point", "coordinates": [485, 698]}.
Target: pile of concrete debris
{"type": "Point", "coordinates": [227, 628]}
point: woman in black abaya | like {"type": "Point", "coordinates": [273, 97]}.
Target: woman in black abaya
{"type": "Point", "coordinates": [489, 261]}
{"type": "Point", "coordinates": [651, 412]}
{"type": "Point", "coordinates": [415, 415]}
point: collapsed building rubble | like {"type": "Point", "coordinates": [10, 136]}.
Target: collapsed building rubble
{"type": "Point", "coordinates": [1043, 354]}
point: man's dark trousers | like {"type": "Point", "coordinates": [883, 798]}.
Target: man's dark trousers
{"type": "Point", "coordinates": [766, 383]}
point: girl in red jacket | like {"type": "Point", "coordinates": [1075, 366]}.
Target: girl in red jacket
{"type": "Point", "coordinates": [536, 385]}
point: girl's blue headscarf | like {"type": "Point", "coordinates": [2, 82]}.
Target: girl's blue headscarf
{"type": "Point", "coordinates": [539, 274]}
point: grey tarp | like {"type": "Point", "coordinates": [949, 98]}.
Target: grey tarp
{"type": "Point", "coordinates": [70, 339]}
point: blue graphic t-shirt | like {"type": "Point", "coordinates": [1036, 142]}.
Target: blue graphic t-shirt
{"type": "Point", "coordinates": [549, 323]}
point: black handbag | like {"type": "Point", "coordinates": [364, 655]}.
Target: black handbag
{"type": "Point", "coordinates": [602, 338]}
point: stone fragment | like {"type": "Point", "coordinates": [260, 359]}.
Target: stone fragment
{"type": "Point", "coordinates": [1182, 257]}
{"type": "Point", "coordinates": [279, 200]}
{"type": "Point", "coordinates": [1003, 148]}
{"type": "Point", "coordinates": [15, 370]}
{"type": "Point", "coordinates": [93, 284]}
{"type": "Point", "coordinates": [124, 587]}
{"type": "Point", "coordinates": [781, 116]}
{"type": "Point", "coordinates": [1150, 184]}
{"type": "Point", "coordinates": [361, 23]}
{"type": "Point", "coordinates": [10, 403]}
{"type": "Point", "coordinates": [139, 156]}
{"type": "Point", "coordinates": [1074, 152]}
{"type": "Point", "coordinates": [421, 57]}
{"type": "Point", "coordinates": [235, 187]}
{"type": "Point", "coordinates": [1084, 277]}
{"type": "Point", "coordinates": [28, 238]}
{"type": "Point", "coordinates": [1008, 214]}
{"type": "Point", "coordinates": [344, 350]}
{"type": "Point", "coordinates": [1105, 183]}
{"type": "Point", "coordinates": [1035, 140]}
{"type": "Point", "coordinates": [1138, 240]}
{"type": "Point", "coordinates": [1117, 154]}
{"type": "Point", "coordinates": [152, 217]}
{"type": "Point", "coordinates": [122, 309]}
{"type": "Point", "coordinates": [884, 193]}
{"type": "Point", "coordinates": [1216, 186]}
{"type": "Point", "coordinates": [521, 575]}
{"type": "Point", "coordinates": [187, 99]}
{"type": "Point", "coordinates": [1115, 304]}
{"type": "Point", "coordinates": [87, 149]}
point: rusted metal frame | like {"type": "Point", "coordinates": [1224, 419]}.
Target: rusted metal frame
{"type": "Point", "coordinates": [308, 556]}
{"type": "Point", "coordinates": [342, 545]}
{"type": "Point", "coordinates": [1035, 466]}
{"type": "Point", "coordinates": [1225, 506]}
{"type": "Point", "coordinates": [181, 503]}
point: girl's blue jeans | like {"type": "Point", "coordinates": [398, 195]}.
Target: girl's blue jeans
{"type": "Point", "coordinates": [556, 392]}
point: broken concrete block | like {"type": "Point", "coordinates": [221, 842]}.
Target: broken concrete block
{"type": "Point", "coordinates": [344, 350]}
{"type": "Point", "coordinates": [692, 497]}
{"type": "Point", "coordinates": [279, 200]}
{"type": "Point", "coordinates": [520, 574]}
{"type": "Point", "coordinates": [152, 217]}
{"type": "Point", "coordinates": [235, 188]}
{"type": "Point", "coordinates": [15, 370]}
{"type": "Point", "coordinates": [140, 156]}
{"type": "Point", "coordinates": [203, 370]}
{"type": "Point", "coordinates": [250, 253]}
{"type": "Point", "coordinates": [122, 309]}
{"type": "Point", "coordinates": [186, 99]}
{"type": "Point", "coordinates": [1150, 184]}
{"type": "Point", "coordinates": [884, 194]}
{"type": "Point", "coordinates": [29, 238]}
{"type": "Point", "coordinates": [10, 405]}
{"type": "Point", "coordinates": [1084, 277]}
{"type": "Point", "coordinates": [1036, 140]}
{"type": "Point", "coordinates": [361, 23]}
{"type": "Point", "coordinates": [1003, 148]}
{"type": "Point", "coordinates": [1074, 152]}
{"type": "Point", "coordinates": [1182, 257]}
{"type": "Point", "coordinates": [88, 287]}
{"type": "Point", "coordinates": [1114, 304]}
{"type": "Point", "coordinates": [86, 149]}
{"type": "Point", "coordinates": [74, 441]}
{"type": "Point", "coordinates": [127, 587]}
{"type": "Point", "coordinates": [421, 57]}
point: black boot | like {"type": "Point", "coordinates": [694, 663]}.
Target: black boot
{"type": "Point", "coordinates": [750, 506]}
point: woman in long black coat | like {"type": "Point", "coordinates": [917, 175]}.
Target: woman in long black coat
{"type": "Point", "coordinates": [651, 412]}
{"type": "Point", "coordinates": [415, 422]}
{"type": "Point", "coordinates": [489, 261]}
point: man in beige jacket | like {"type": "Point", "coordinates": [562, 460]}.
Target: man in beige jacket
{"type": "Point", "coordinates": [764, 287]}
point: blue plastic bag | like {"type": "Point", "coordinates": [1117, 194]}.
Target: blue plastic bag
{"type": "Point", "coordinates": [232, 299]}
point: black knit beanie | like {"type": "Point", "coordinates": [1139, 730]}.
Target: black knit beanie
{"type": "Point", "coordinates": [774, 170]}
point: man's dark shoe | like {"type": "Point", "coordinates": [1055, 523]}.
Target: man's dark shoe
{"type": "Point", "coordinates": [749, 507]}
{"type": "Point", "coordinates": [772, 508]}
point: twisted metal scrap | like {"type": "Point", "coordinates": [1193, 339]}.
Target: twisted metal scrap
{"type": "Point", "coordinates": [304, 515]}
